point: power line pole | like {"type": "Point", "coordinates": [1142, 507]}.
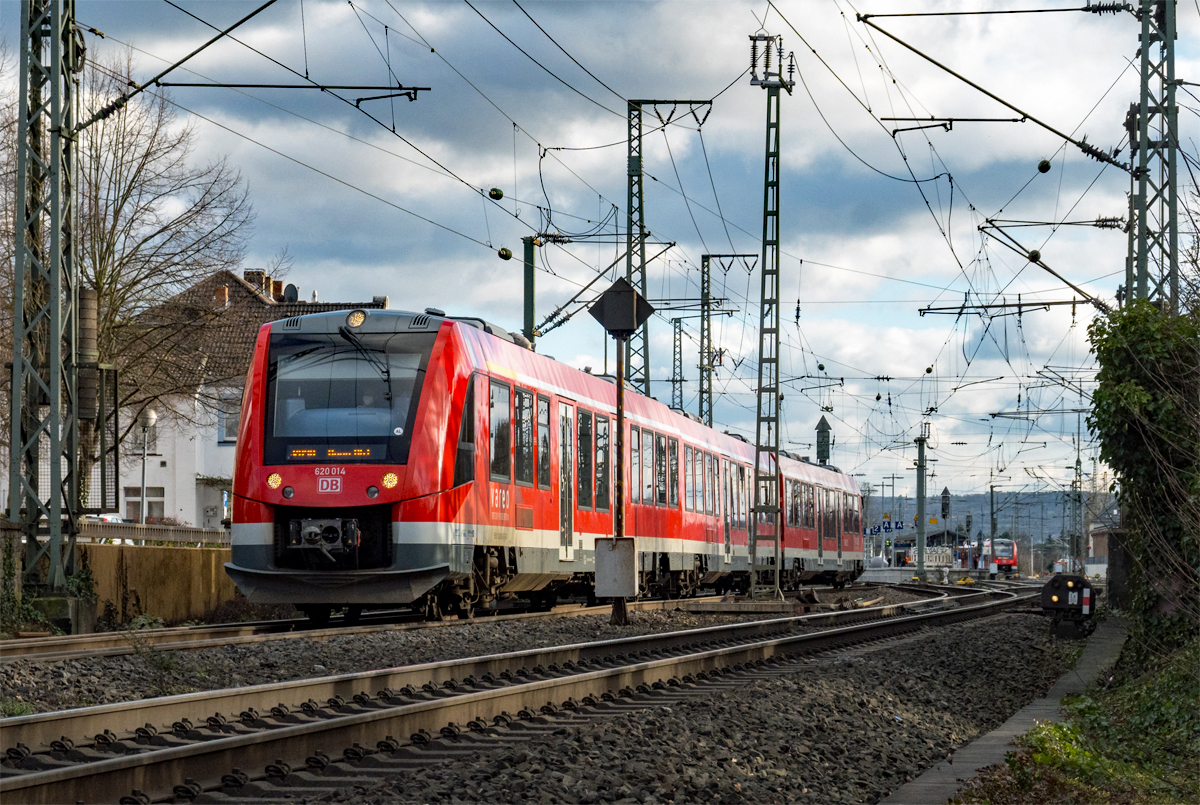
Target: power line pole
{"type": "Point", "coordinates": [921, 499]}
{"type": "Point", "coordinates": [637, 346]}
{"type": "Point", "coordinates": [708, 355]}
{"type": "Point", "coordinates": [766, 441]}
{"type": "Point", "coordinates": [43, 473]}
{"type": "Point", "coordinates": [677, 364]}
{"type": "Point", "coordinates": [1152, 267]}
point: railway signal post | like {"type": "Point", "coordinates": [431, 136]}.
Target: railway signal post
{"type": "Point", "coordinates": [621, 310]}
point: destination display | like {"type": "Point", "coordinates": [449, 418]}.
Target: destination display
{"type": "Point", "coordinates": [339, 452]}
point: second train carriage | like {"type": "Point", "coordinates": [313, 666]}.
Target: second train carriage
{"type": "Point", "coordinates": [387, 457]}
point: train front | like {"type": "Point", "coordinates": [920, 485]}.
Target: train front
{"type": "Point", "coordinates": [323, 463]}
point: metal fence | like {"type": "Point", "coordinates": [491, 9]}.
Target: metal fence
{"type": "Point", "coordinates": [135, 534]}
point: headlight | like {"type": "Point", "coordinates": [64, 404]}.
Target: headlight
{"type": "Point", "coordinates": [356, 318]}
{"type": "Point", "coordinates": [390, 480]}
{"type": "Point", "coordinates": [274, 480]}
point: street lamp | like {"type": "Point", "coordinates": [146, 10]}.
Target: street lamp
{"type": "Point", "coordinates": [146, 420]}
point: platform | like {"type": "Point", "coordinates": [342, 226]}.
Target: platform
{"type": "Point", "coordinates": [943, 781]}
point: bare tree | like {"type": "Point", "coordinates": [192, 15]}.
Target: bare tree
{"type": "Point", "coordinates": [152, 224]}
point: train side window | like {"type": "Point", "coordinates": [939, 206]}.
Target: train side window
{"type": "Point", "coordinates": [464, 457]}
{"type": "Point", "coordinates": [543, 454]}
{"type": "Point", "coordinates": [808, 506]}
{"type": "Point", "coordinates": [500, 423]}
{"type": "Point", "coordinates": [797, 502]}
{"type": "Point", "coordinates": [788, 492]}
{"type": "Point", "coordinates": [698, 469]}
{"type": "Point", "coordinates": [584, 474]}
{"type": "Point", "coordinates": [689, 480]}
{"type": "Point", "coordinates": [601, 463]}
{"type": "Point", "coordinates": [523, 426]}
{"type": "Point", "coordinates": [647, 468]}
{"type": "Point", "coordinates": [673, 473]}
{"type": "Point", "coordinates": [660, 470]}
{"type": "Point", "coordinates": [635, 465]}
{"type": "Point", "coordinates": [743, 506]}
{"type": "Point", "coordinates": [708, 483]}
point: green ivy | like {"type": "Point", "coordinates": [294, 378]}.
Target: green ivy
{"type": "Point", "coordinates": [1146, 414]}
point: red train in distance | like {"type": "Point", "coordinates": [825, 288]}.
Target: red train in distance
{"type": "Point", "coordinates": [394, 458]}
{"type": "Point", "coordinates": [1003, 554]}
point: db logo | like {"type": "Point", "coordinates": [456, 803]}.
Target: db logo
{"type": "Point", "coordinates": [329, 485]}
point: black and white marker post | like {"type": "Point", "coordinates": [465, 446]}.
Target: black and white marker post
{"type": "Point", "coordinates": [621, 310]}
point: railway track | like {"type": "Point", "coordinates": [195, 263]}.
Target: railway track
{"type": "Point", "coordinates": [186, 638]}
{"type": "Point", "coordinates": [197, 755]}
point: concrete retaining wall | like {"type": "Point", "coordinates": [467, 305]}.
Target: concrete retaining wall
{"type": "Point", "coordinates": [175, 584]}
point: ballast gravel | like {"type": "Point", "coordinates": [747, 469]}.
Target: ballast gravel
{"type": "Point", "coordinates": [841, 730]}
{"type": "Point", "coordinates": [148, 673]}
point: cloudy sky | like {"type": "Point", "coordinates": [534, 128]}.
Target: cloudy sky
{"type": "Point", "coordinates": [875, 226]}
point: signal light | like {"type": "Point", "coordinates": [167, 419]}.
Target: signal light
{"type": "Point", "coordinates": [356, 318]}
{"type": "Point", "coordinates": [1070, 584]}
{"type": "Point", "coordinates": [274, 480]}
{"type": "Point", "coordinates": [1054, 598]}
{"type": "Point", "coordinates": [390, 480]}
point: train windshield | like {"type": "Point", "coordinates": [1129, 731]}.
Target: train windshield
{"type": "Point", "coordinates": [343, 396]}
{"type": "Point", "coordinates": [1004, 548]}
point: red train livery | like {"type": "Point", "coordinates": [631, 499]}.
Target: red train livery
{"type": "Point", "coordinates": [386, 457]}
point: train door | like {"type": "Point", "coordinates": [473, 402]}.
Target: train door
{"type": "Point", "coordinates": [819, 505]}
{"type": "Point", "coordinates": [566, 483]}
{"type": "Point", "coordinates": [840, 523]}
{"type": "Point", "coordinates": [727, 504]}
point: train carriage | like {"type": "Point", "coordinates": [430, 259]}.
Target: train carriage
{"type": "Point", "coordinates": [389, 458]}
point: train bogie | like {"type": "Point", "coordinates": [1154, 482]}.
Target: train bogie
{"type": "Point", "coordinates": [396, 458]}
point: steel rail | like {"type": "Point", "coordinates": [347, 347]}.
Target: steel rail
{"type": "Point", "coordinates": [188, 638]}
{"type": "Point", "coordinates": [107, 780]}
{"type": "Point", "coordinates": [156, 771]}
{"type": "Point", "coordinates": [40, 729]}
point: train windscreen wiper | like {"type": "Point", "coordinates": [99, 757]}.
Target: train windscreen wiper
{"type": "Point", "coordinates": [371, 357]}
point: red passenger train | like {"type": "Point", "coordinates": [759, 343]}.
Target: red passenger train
{"type": "Point", "coordinates": [386, 458]}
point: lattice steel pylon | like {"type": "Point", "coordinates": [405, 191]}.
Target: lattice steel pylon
{"type": "Point", "coordinates": [637, 346]}
{"type": "Point", "coordinates": [708, 355]}
{"type": "Point", "coordinates": [1152, 270]}
{"type": "Point", "coordinates": [766, 510]}
{"type": "Point", "coordinates": [677, 363]}
{"type": "Point", "coordinates": [44, 481]}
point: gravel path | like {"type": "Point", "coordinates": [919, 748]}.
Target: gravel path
{"type": "Point", "coordinates": [849, 730]}
{"type": "Point", "coordinates": [147, 673]}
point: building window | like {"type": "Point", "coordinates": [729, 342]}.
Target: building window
{"type": "Point", "coordinates": [601, 463]}
{"type": "Point", "coordinates": [155, 503]}
{"type": "Point", "coordinates": [500, 424]}
{"type": "Point", "coordinates": [229, 411]}
{"type": "Point", "coordinates": [524, 430]}
{"type": "Point", "coordinates": [543, 456]}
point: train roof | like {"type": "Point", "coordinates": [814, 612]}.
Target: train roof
{"type": "Point", "coordinates": [493, 349]}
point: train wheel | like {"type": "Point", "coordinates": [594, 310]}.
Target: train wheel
{"type": "Point", "coordinates": [318, 615]}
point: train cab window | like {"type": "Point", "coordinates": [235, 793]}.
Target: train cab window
{"type": "Point", "coordinates": [673, 473]}
{"type": "Point", "coordinates": [689, 480]}
{"type": "Point", "coordinates": [660, 470]}
{"type": "Point", "coordinates": [601, 463]}
{"type": "Point", "coordinates": [464, 457]}
{"type": "Point", "coordinates": [523, 463]}
{"type": "Point", "coordinates": [647, 468]}
{"type": "Point", "coordinates": [635, 465]}
{"type": "Point", "coordinates": [543, 453]}
{"type": "Point", "coordinates": [709, 487]}
{"type": "Point", "coordinates": [500, 419]}
{"type": "Point", "coordinates": [584, 475]}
